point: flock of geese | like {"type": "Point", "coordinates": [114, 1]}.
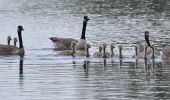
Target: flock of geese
{"type": "Point", "coordinates": [73, 47]}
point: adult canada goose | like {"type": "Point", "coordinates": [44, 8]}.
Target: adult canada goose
{"type": "Point", "coordinates": [145, 53]}
{"type": "Point", "coordinates": [65, 43]}
{"type": "Point", "coordinates": [69, 52]}
{"type": "Point", "coordinates": [9, 40]}
{"type": "Point", "coordinates": [15, 41]}
{"type": "Point", "coordinates": [98, 53]}
{"type": "Point", "coordinates": [12, 50]}
{"type": "Point", "coordinates": [149, 48]}
{"type": "Point", "coordinates": [84, 52]}
{"type": "Point", "coordinates": [166, 53]}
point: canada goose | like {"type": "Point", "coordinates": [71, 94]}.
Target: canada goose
{"type": "Point", "coordinates": [111, 48]}
{"type": "Point", "coordinates": [105, 54]}
{"type": "Point", "coordinates": [98, 53]}
{"type": "Point", "coordinates": [12, 50]}
{"type": "Point", "coordinates": [166, 53]}
{"type": "Point", "coordinates": [65, 43]}
{"type": "Point", "coordinates": [120, 51]}
{"type": "Point", "coordinates": [69, 52]}
{"type": "Point", "coordinates": [15, 41]}
{"type": "Point", "coordinates": [84, 52]}
{"type": "Point", "coordinates": [9, 40]}
{"type": "Point", "coordinates": [149, 49]}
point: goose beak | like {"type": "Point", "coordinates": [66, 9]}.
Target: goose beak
{"type": "Point", "coordinates": [20, 28]}
{"type": "Point", "coordinates": [86, 18]}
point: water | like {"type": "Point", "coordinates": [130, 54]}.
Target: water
{"type": "Point", "coordinates": [42, 75]}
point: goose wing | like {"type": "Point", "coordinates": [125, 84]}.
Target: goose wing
{"type": "Point", "coordinates": [62, 43]}
{"type": "Point", "coordinates": [7, 49]}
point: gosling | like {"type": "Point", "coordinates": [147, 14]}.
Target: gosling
{"type": "Point", "coordinates": [9, 40]}
{"type": "Point", "coordinates": [15, 41]}
{"type": "Point", "coordinates": [84, 52]}
{"type": "Point", "coordinates": [69, 52]}
{"type": "Point", "coordinates": [98, 53]}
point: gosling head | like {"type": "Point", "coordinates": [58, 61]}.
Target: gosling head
{"type": "Point", "coordinates": [86, 19]}
{"type": "Point", "coordinates": [100, 48]}
{"type": "Point", "coordinates": [87, 46]}
{"type": "Point", "coordinates": [120, 47]}
{"type": "Point", "coordinates": [112, 46]}
{"type": "Point", "coordinates": [73, 43]}
{"type": "Point", "coordinates": [15, 41]}
{"type": "Point", "coordinates": [9, 39]}
{"type": "Point", "coordinates": [104, 45]}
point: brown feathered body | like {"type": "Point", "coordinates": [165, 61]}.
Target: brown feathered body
{"type": "Point", "coordinates": [166, 52]}
{"type": "Point", "coordinates": [10, 50]}
{"type": "Point", "coordinates": [62, 43]}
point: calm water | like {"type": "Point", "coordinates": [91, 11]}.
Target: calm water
{"type": "Point", "coordinates": [42, 75]}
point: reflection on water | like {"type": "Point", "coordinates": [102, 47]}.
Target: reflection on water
{"type": "Point", "coordinates": [86, 79]}
{"type": "Point", "coordinates": [41, 75]}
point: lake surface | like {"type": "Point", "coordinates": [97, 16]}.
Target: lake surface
{"type": "Point", "coordinates": [42, 75]}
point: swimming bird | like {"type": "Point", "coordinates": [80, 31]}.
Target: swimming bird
{"type": "Point", "coordinates": [9, 40]}
{"type": "Point", "coordinates": [105, 54]}
{"type": "Point", "coordinates": [149, 49]}
{"type": "Point", "coordinates": [147, 52]}
{"type": "Point", "coordinates": [12, 50]}
{"type": "Point", "coordinates": [111, 48]}
{"type": "Point", "coordinates": [65, 43]}
{"type": "Point", "coordinates": [69, 52]}
{"type": "Point", "coordinates": [98, 53]}
{"type": "Point", "coordinates": [15, 41]}
{"type": "Point", "coordinates": [84, 52]}
{"type": "Point", "coordinates": [120, 51]}
{"type": "Point", "coordinates": [166, 53]}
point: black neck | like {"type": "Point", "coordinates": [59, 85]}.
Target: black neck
{"type": "Point", "coordinates": [84, 30]}
{"type": "Point", "coordinates": [147, 40]}
{"type": "Point", "coordinates": [8, 42]}
{"type": "Point", "coordinates": [20, 40]}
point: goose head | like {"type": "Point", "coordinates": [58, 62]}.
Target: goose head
{"type": "Point", "coordinates": [73, 43]}
{"type": "Point", "coordinates": [86, 18]}
{"type": "Point", "coordinates": [112, 46]}
{"type": "Point", "coordinates": [104, 46]}
{"type": "Point", "coordinates": [9, 39]}
{"type": "Point", "coordinates": [87, 46]}
{"type": "Point", "coordinates": [120, 47]}
{"type": "Point", "coordinates": [20, 28]}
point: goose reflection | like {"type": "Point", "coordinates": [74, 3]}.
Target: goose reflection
{"type": "Point", "coordinates": [136, 63]}
{"type": "Point", "coordinates": [86, 65]}
{"type": "Point", "coordinates": [21, 74]}
{"type": "Point", "coordinates": [21, 66]}
{"type": "Point", "coordinates": [120, 62]}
